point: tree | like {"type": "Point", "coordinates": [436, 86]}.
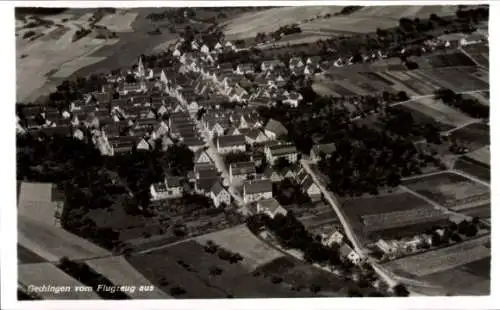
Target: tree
{"type": "Point", "coordinates": [315, 288]}
{"type": "Point", "coordinates": [401, 291]}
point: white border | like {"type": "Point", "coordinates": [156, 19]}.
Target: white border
{"type": "Point", "coordinates": [8, 225]}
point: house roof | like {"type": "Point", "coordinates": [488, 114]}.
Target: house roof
{"type": "Point", "coordinates": [257, 186]}
{"type": "Point", "coordinates": [326, 148]}
{"type": "Point", "coordinates": [227, 141]}
{"type": "Point", "coordinates": [172, 181]}
{"type": "Point", "coordinates": [198, 154]}
{"type": "Point", "coordinates": [243, 168]}
{"type": "Point", "coordinates": [206, 184]}
{"type": "Point", "coordinates": [217, 188]}
{"type": "Point", "coordinates": [282, 149]}
{"type": "Point", "coordinates": [276, 127]}
{"type": "Point", "coordinates": [295, 61]}
{"type": "Point", "coordinates": [251, 133]}
{"type": "Point", "coordinates": [345, 250]}
{"type": "Point", "coordinates": [271, 205]}
{"type": "Point", "coordinates": [307, 182]}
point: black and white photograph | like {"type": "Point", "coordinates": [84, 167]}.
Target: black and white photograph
{"type": "Point", "coordinates": [217, 152]}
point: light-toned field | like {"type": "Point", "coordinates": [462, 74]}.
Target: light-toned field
{"type": "Point", "coordinates": [241, 240]}
{"type": "Point", "coordinates": [442, 259]}
{"type": "Point", "coordinates": [119, 22]}
{"type": "Point", "coordinates": [52, 243]}
{"type": "Point", "coordinates": [40, 274]}
{"type": "Point", "coordinates": [46, 55]}
{"type": "Point", "coordinates": [367, 19]}
{"type": "Point", "coordinates": [249, 24]}
{"type": "Point", "coordinates": [439, 111]}
{"type": "Point", "coordinates": [481, 155]}
{"type": "Point", "coordinates": [294, 40]}
{"type": "Point", "coordinates": [119, 271]}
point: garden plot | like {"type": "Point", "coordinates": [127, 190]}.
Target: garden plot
{"type": "Point", "coordinates": [448, 189]}
{"type": "Point", "coordinates": [239, 239]}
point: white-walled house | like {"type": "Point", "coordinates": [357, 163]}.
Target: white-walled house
{"type": "Point", "coordinates": [346, 252]}
{"type": "Point", "coordinates": [170, 187]}
{"type": "Point", "coordinates": [335, 238]}
{"type": "Point", "coordinates": [228, 144]}
{"type": "Point", "coordinates": [271, 207]}
{"type": "Point", "coordinates": [287, 151]}
{"type": "Point", "coordinates": [257, 190]}
{"type": "Point", "coordinates": [220, 196]}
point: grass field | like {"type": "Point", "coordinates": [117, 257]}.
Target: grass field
{"type": "Point", "coordinates": [120, 22]}
{"type": "Point", "coordinates": [187, 265]}
{"type": "Point", "coordinates": [472, 168]}
{"type": "Point", "coordinates": [481, 155]}
{"type": "Point", "coordinates": [443, 259]}
{"type": "Point", "coordinates": [39, 274]}
{"type": "Point", "coordinates": [475, 135]}
{"type": "Point", "coordinates": [239, 239]}
{"type": "Point", "coordinates": [482, 211]}
{"type": "Point", "coordinates": [448, 189]}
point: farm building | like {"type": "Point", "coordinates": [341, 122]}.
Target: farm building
{"type": "Point", "coordinates": [256, 190]}
{"type": "Point", "coordinates": [271, 207]}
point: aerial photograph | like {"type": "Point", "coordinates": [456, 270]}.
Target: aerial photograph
{"type": "Point", "coordinates": [252, 152]}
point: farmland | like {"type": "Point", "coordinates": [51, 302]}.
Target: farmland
{"type": "Point", "coordinates": [473, 168]}
{"type": "Point", "coordinates": [241, 240]}
{"type": "Point", "coordinates": [439, 112]}
{"type": "Point", "coordinates": [26, 256]}
{"type": "Point", "coordinates": [475, 135]}
{"type": "Point", "coordinates": [204, 275]}
{"type": "Point", "coordinates": [481, 155]}
{"type": "Point", "coordinates": [448, 189]}
{"type": "Point", "coordinates": [53, 243]}
{"type": "Point", "coordinates": [383, 205]}
{"type": "Point", "coordinates": [321, 20]}
{"type": "Point", "coordinates": [444, 258]}
{"type": "Point", "coordinates": [40, 274]}
{"type": "Point", "coordinates": [482, 211]}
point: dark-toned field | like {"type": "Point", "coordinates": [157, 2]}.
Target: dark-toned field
{"type": "Point", "coordinates": [475, 135]}
{"type": "Point", "coordinates": [482, 211]}
{"type": "Point", "coordinates": [448, 189]}
{"type": "Point", "coordinates": [189, 267]}
{"type": "Point", "coordinates": [25, 256]}
{"type": "Point", "coordinates": [473, 168]}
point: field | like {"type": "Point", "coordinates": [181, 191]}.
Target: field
{"type": "Point", "coordinates": [189, 267]}
{"type": "Point", "coordinates": [481, 155]}
{"type": "Point", "coordinates": [240, 239]}
{"type": "Point", "coordinates": [120, 272]}
{"type": "Point", "coordinates": [314, 20]}
{"type": "Point", "coordinates": [25, 256]}
{"type": "Point", "coordinates": [53, 243]}
{"type": "Point", "coordinates": [443, 259]}
{"type": "Point", "coordinates": [55, 53]}
{"type": "Point", "coordinates": [40, 274]}
{"type": "Point", "coordinates": [120, 22]}
{"type": "Point", "coordinates": [474, 169]}
{"type": "Point", "coordinates": [379, 206]}
{"type": "Point", "coordinates": [448, 189]}
{"type": "Point", "coordinates": [482, 211]}
{"type": "Point", "coordinates": [439, 112]}
{"type": "Point", "coordinates": [475, 135]}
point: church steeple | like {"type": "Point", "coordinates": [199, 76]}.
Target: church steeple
{"type": "Point", "coordinates": [141, 72]}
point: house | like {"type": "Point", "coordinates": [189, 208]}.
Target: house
{"type": "Point", "coordinates": [275, 129]}
{"type": "Point", "coordinates": [143, 145]}
{"type": "Point", "coordinates": [247, 68]}
{"type": "Point", "coordinates": [293, 99]}
{"type": "Point", "coordinates": [253, 135]}
{"type": "Point", "coordinates": [335, 238]}
{"type": "Point", "coordinates": [271, 207]}
{"type": "Point", "coordinates": [220, 196]}
{"type": "Point", "coordinates": [173, 186]}
{"type": "Point", "coordinates": [270, 65]}
{"type": "Point", "coordinates": [232, 131]}
{"type": "Point", "coordinates": [287, 151]}
{"type": "Point", "coordinates": [348, 253]}
{"type": "Point", "coordinates": [194, 143]}
{"type": "Point", "coordinates": [204, 185]}
{"type": "Point", "coordinates": [241, 171]}
{"type": "Point", "coordinates": [122, 144]}
{"type": "Point", "coordinates": [288, 173]}
{"type": "Point", "coordinates": [309, 70]}
{"type": "Point", "coordinates": [295, 62]}
{"type": "Point", "coordinates": [314, 61]}
{"type": "Point", "coordinates": [205, 49]}
{"type": "Point", "coordinates": [390, 248]}
{"type": "Point", "coordinates": [42, 202]}
{"type": "Point", "coordinates": [311, 189]}
{"type": "Point", "coordinates": [272, 175]}
{"type": "Point", "coordinates": [201, 156]}
{"type": "Point", "coordinates": [257, 190]}
{"type": "Point", "coordinates": [325, 149]}
{"type": "Point", "coordinates": [228, 144]}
